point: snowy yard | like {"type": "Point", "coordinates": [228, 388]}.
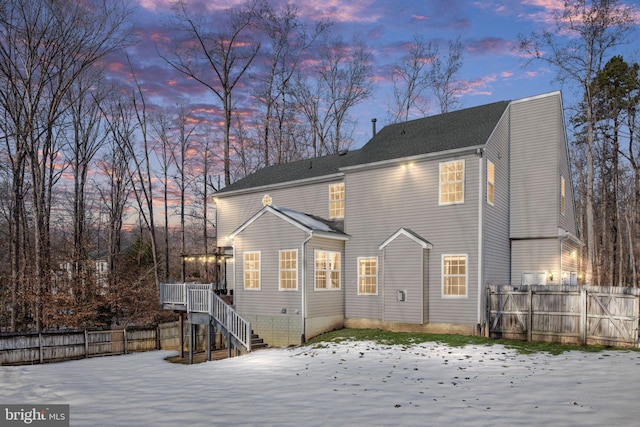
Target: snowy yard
{"type": "Point", "coordinates": [353, 383]}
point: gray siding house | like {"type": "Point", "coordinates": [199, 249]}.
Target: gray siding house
{"type": "Point", "coordinates": [406, 232]}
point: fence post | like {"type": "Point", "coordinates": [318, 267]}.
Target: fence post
{"type": "Point", "coordinates": [530, 316]}
{"type": "Point", "coordinates": [86, 344]}
{"type": "Point", "coordinates": [124, 339]}
{"type": "Point", "coordinates": [41, 356]}
{"type": "Point", "coordinates": [583, 316]}
{"type": "Point", "coordinates": [158, 343]}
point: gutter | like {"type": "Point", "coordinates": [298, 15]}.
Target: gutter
{"type": "Point", "coordinates": [303, 310]}
{"type": "Point", "coordinates": [479, 152]}
{"type": "Point", "coordinates": [416, 158]}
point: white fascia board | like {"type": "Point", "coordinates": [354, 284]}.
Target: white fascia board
{"type": "Point", "coordinates": [329, 235]}
{"type": "Point", "coordinates": [314, 180]}
{"type": "Point", "coordinates": [416, 158]}
{"type": "Point", "coordinates": [403, 232]}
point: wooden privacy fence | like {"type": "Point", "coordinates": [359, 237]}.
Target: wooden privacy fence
{"type": "Point", "coordinates": [30, 348]}
{"type": "Point", "coordinates": [567, 314]}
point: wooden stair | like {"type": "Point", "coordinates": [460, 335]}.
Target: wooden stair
{"type": "Point", "coordinates": [257, 342]}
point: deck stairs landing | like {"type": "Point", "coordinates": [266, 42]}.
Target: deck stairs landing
{"type": "Point", "coordinates": [204, 306]}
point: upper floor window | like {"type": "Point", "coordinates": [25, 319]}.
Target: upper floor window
{"type": "Point", "coordinates": [368, 276]}
{"type": "Point", "coordinates": [327, 271]}
{"type": "Point", "coordinates": [289, 270]}
{"type": "Point", "coordinates": [252, 270]}
{"type": "Point", "coordinates": [452, 182]}
{"type": "Point", "coordinates": [454, 275]}
{"type": "Point", "coordinates": [336, 200]}
{"type": "Point", "coordinates": [562, 195]}
{"type": "Point", "coordinates": [490, 182]}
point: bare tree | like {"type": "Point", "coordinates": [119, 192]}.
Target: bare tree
{"type": "Point", "coordinates": [340, 81]}
{"type": "Point", "coordinates": [46, 47]}
{"type": "Point", "coordinates": [183, 178]}
{"type": "Point", "coordinates": [83, 142]}
{"type": "Point", "coordinates": [115, 189]}
{"type": "Point", "coordinates": [141, 175]}
{"type": "Point", "coordinates": [288, 38]}
{"type": "Point", "coordinates": [216, 52]}
{"type": "Point", "coordinates": [165, 151]}
{"type": "Point", "coordinates": [594, 28]}
{"type": "Point", "coordinates": [411, 79]}
{"type": "Point", "coordinates": [424, 70]}
{"type": "Point", "coordinates": [442, 74]}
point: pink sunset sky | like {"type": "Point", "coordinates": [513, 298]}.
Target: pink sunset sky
{"type": "Point", "coordinates": [492, 69]}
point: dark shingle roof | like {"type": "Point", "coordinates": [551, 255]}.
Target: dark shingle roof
{"type": "Point", "coordinates": [444, 132]}
{"type": "Point", "coordinates": [457, 129]}
{"type": "Point", "coordinates": [301, 169]}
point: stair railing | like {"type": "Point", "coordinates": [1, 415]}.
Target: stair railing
{"type": "Point", "coordinates": [201, 298]}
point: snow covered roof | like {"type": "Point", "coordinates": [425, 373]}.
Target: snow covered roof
{"type": "Point", "coordinates": [308, 223]}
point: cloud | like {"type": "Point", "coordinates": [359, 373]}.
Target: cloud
{"type": "Point", "coordinates": [358, 11]}
{"type": "Point", "coordinates": [489, 46]}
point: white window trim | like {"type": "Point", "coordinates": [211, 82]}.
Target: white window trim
{"type": "Point", "coordinates": [280, 270]}
{"type": "Point", "coordinates": [376, 275]}
{"type": "Point", "coordinates": [466, 280]}
{"type": "Point", "coordinates": [491, 182]}
{"type": "Point", "coordinates": [244, 270]}
{"type": "Point", "coordinates": [344, 194]}
{"type": "Point", "coordinates": [328, 275]}
{"type": "Point", "coordinates": [440, 203]}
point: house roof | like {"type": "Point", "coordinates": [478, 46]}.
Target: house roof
{"type": "Point", "coordinates": [457, 129]}
{"type": "Point", "coordinates": [450, 131]}
{"type": "Point", "coordinates": [308, 223]}
{"type": "Point", "coordinates": [407, 233]}
{"type": "Point", "coordinates": [293, 171]}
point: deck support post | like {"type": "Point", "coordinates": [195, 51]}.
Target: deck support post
{"type": "Point", "coordinates": [181, 334]}
{"type": "Point", "coordinates": [191, 342]}
{"type": "Point", "coordinates": [208, 342]}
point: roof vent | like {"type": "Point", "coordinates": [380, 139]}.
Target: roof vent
{"type": "Point", "coordinates": [343, 152]}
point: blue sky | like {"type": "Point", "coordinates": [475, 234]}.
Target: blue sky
{"type": "Point", "coordinates": [491, 68]}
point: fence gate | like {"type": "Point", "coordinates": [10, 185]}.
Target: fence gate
{"type": "Point", "coordinates": [567, 314]}
{"type": "Point", "coordinates": [612, 317]}
{"type": "Point", "coordinates": [508, 313]}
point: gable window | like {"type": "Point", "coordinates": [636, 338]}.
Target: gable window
{"type": "Point", "coordinates": [327, 270]}
{"type": "Point", "coordinates": [368, 276]}
{"type": "Point", "coordinates": [289, 269]}
{"type": "Point", "coordinates": [562, 195]}
{"type": "Point", "coordinates": [452, 182]}
{"type": "Point", "coordinates": [454, 275]}
{"type": "Point", "coordinates": [252, 270]}
{"type": "Point", "coordinates": [490, 182]}
{"type": "Point", "coordinates": [336, 200]}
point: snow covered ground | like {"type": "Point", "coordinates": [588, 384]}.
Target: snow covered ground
{"type": "Point", "coordinates": [353, 384]}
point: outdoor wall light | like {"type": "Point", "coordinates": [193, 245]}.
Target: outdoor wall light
{"type": "Point", "coordinates": [550, 276]}
{"type": "Point", "coordinates": [406, 165]}
{"type": "Point", "coordinates": [283, 311]}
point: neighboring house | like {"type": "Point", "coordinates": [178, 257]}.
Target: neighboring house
{"type": "Point", "coordinates": [406, 232]}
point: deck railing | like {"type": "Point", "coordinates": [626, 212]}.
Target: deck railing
{"type": "Point", "coordinates": [201, 298]}
{"type": "Point", "coordinates": [173, 293]}
{"type": "Point", "coordinates": [198, 298]}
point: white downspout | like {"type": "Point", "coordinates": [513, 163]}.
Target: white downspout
{"type": "Point", "coordinates": [303, 310]}
{"type": "Point", "coordinates": [480, 231]}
